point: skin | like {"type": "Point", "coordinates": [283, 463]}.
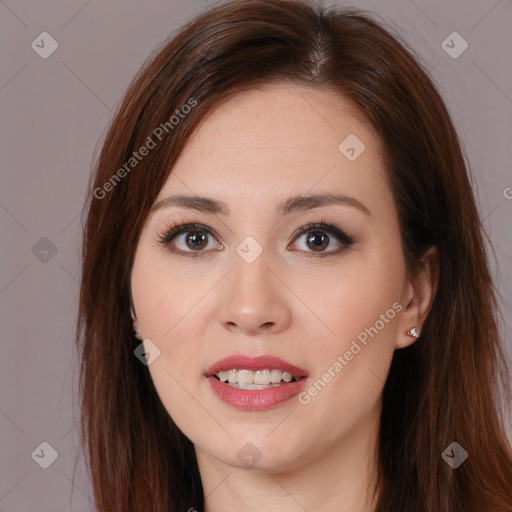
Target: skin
{"type": "Point", "coordinates": [253, 152]}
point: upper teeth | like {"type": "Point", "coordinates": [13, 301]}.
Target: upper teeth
{"type": "Point", "coordinates": [254, 377]}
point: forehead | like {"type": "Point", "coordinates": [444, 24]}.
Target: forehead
{"type": "Point", "coordinates": [279, 137]}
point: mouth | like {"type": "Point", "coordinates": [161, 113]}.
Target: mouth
{"type": "Point", "coordinates": [255, 383]}
{"type": "Point", "coordinates": [259, 379]}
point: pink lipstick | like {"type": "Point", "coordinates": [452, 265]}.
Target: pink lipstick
{"type": "Point", "coordinates": [255, 383]}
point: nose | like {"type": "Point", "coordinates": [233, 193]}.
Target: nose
{"type": "Point", "coordinates": [254, 300]}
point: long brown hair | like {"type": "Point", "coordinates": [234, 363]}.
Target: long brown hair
{"type": "Point", "coordinates": [446, 387]}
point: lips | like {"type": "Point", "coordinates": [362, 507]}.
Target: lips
{"type": "Point", "coordinates": [243, 362]}
{"type": "Point", "coordinates": [253, 397]}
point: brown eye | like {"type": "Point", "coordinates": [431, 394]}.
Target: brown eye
{"type": "Point", "coordinates": [317, 240]}
{"type": "Point", "coordinates": [196, 240]}
{"type": "Point", "coordinates": [190, 239]}
{"type": "Point", "coordinates": [320, 236]}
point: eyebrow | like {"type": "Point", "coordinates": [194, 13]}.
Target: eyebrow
{"type": "Point", "coordinates": [291, 205]}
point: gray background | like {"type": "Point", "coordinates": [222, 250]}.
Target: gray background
{"type": "Point", "coordinates": [53, 113]}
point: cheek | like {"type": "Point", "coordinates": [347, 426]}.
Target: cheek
{"type": "Point", "coordinates": [163, 298]}
{"type": "Point", "coordinates": [359, 325]}
{"type": "Point", "coordinates": [166, 315]}
{"type": "Point", "coordinates": [347, 299]}
{"type": "Point", "coordinates": [352, 367]}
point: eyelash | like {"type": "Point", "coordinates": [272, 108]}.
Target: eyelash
{"type": "Point", "coordinates": [165, 238]}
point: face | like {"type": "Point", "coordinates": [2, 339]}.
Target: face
{"type": "Point", "coordinates": [311, 290]}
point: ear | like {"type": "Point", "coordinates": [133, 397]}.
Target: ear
{"type": "Point", "coordinates": [418, 297]}
{"type": "Point", "coordinates": [136, 329]}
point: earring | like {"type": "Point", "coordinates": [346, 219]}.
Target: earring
{"type": "Point", "coordinates": [135, 330]}
{"type": "Point", "coordinates": [413, 333]}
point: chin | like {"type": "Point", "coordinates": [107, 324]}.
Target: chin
{"type": "Point", "coordinates": [258, 455]}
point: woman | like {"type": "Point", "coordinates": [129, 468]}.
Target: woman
{"type": "Point", "coordinates": [285, 301]}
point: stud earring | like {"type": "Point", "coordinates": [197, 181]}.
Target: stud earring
{"type": "Point", "coordinates": [135, 330]}
{"type": "Point", "coordinates": [413, 333]}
